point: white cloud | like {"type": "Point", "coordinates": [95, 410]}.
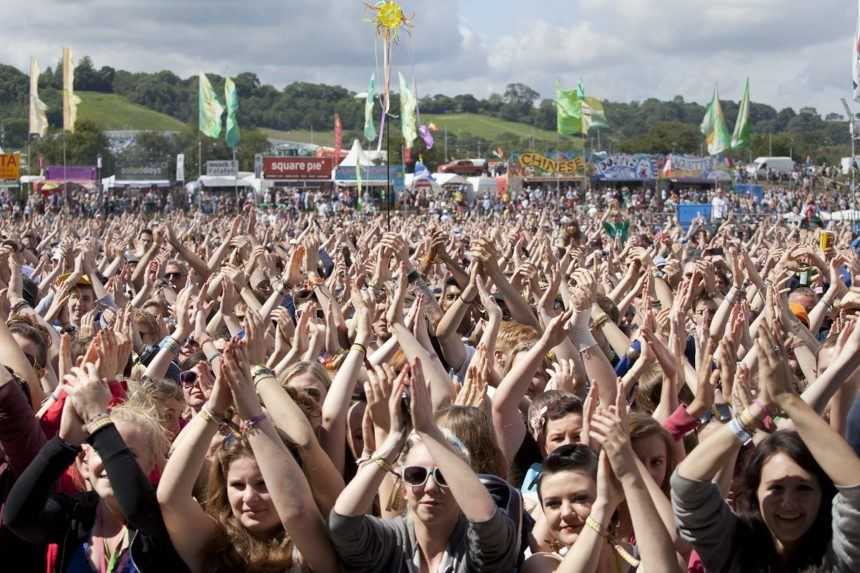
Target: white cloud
{"type": "Point", "coordinates": [794, 51]}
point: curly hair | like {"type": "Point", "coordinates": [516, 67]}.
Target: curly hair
{"type": "Point", "coordinates": [237, 549]}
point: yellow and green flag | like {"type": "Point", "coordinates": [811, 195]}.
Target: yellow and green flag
{"type": "Point", "coordinates": [741, 136]}
{"type": "Point", "coordinates": [714, 128]}
{"type": "Point", "coordinates": [231, 98]}
{"type": "Point", "coordinates": [568, 112]}
{"type": "Point", "coordinates": [209, 109]}
{"type": "Point", "coordinates": [408, 111]}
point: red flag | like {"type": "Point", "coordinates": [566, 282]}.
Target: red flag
{"type": "Point", "coordinates": [338, 138]}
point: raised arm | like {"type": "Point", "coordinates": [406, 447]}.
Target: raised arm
{"type": "Point", "coordinates": [337, 401]}
{"type": "Point", "coordinates": [507, 420]}
{"type": "Point", "coordinates": [473, 498]}
{"type": "Point", "coordinates": [284, 480]}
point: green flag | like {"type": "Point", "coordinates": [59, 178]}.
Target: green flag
{"type": "Point", "coordinates": [209, 109]}
{"type": "Point", "coordinates": [741, 136]}
{"type": "Point", "coordinates": [718, 138]}
{"type": "Point", "coordinates": [580, 90]}
{"type": "Point", "coordinates": [568, 112]}
{"type": "Point", "coordinates": [369, 127]}
{"type": "Point", "coordinates": [593, 114]}
{"type": "Point", "coordinates": [231, 98]}
{"type": "Point", "coordinates": [408, 109]}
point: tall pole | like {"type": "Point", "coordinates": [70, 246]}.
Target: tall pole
{"type": "Point", "coordinates": [235, 178]}
{"type": "Point", "coordinates": [199, 157]}
{"type": "Point", "coordinates": [387, 174]}
{"type": "Point", "coordinates": [65, 175]}
{"type": "Point", "coordinates": [446, 143]}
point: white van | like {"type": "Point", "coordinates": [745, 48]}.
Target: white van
{"type": "Point", "coordinates": [845, 163]}
{"type": "Point", "coordinates": [779, 165]}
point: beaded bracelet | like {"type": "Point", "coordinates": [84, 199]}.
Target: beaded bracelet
{"type": "Point", "coordinates": [247, 426]}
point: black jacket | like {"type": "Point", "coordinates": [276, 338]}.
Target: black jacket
{"type": "Point", "coordinates": [39, 516]}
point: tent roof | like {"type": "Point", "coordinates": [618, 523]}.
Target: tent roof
{"type": "Point", "coordinates": [449, 179]}
{"type": "Point", "coordinates": [356, 156]}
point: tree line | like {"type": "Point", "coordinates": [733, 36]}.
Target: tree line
{"type": "Point", "coordinates": [649, 126]}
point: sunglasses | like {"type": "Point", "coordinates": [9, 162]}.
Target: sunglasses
{"type": "Point", "coordinates": [173, 275]}
{"type": "Point", "coordinates": [188, 378]}
{"type": "Point", "coordinates": [417, 476]}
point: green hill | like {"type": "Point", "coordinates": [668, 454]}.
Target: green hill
{"type": "Point", "coordinates": [303, 136]}
{"type": "Point", "coordinates": [490, 128]}
{"type": "Point", "coordinates": [486, 127]}
{"type": "Point", "coordinates": [111, 111]}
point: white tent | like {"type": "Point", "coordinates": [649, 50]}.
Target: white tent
{"type": "Point", "coordinates": [409, 182]}
{"type": "Point", "coordinates": [244, 179]}
{"type": "Point", "coordinates": [357, 156]}
{"type": "Point", "coordinates": [444, 179]}
{"type": "Point", "coordinates": [112, 181]}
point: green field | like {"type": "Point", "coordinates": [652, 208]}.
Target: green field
{"type": "Point", "coordinates": [111, 111]}
{"type": "Point", "coordinates": [486, 127]}
{"type": "Point", "coordinates": [303, 136]}
{"type": "Point", "coordinates": [494, 130]}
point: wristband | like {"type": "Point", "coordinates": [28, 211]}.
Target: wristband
{"type": "Point", "coordinates": [98, 423]}
{"type": "Point", "coordinates": [169, 343]}
{"type": "Point", "coordinates": [592, 524]}
{"type": "Point", "coordinates": [249, 425]}
{"type": "Point", "coordinates": [380, 461]}
{"type": "Point", "coordinates": [360, 346]}
{"type": "Point", "coordinates": [742, 435]}
{"type": "Point", "coordinates": [260, 371]}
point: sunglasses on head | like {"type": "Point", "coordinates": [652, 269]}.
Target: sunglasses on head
{"type": "Point", "coordinates": [417, 476]}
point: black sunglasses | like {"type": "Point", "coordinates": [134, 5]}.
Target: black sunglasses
{"type": "Point", "coordinates": [417, 476]}
{"type": "Point", "coordinates": [172, 275]}
{"type": "Point", "coordinates": [188, 378]}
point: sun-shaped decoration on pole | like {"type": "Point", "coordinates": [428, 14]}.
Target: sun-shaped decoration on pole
{"type": "Point", "coordinates": [389, 18]}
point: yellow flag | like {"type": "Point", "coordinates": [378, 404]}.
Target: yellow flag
{"type": "Point", "coordinates": [70, 100]}
{"type": "Point", "coordinates": [38, 118]}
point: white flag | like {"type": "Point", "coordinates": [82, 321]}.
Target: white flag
{"type": "Point", "coordinates": [38, 117]}
{"type": "Point", "coordinates": [855, 57]}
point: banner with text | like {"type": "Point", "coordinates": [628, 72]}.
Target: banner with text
{"type": "Point", "coordinates": [700, 168]}
{"type": "Point", "coordinates": [534, 164]}
{"type": "Point", "coordinates": [298, 168]}
{"type": "Point", "coordinates": [10, 166]}
{"type": "Point", "coordinates": [373, 175]}
{"type": "Point", "coordinates": [70, 173]}
{"type": "Point", "coordinates": [226, 168]}
{"type": "Point", "coordinates": [149, 171]}
{"type": "Point", "coordinates": [623, 167]}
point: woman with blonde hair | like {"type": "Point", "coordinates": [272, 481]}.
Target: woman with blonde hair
{"type": "Point", "coordinates": [116, 524]}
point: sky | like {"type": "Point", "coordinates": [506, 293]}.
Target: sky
{"type": "Point", "coordinates": [795, 52]}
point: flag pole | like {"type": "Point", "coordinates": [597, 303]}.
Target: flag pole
{"type": "Point", "coordinates": [387, 173]}
{"type": "Point", "coordinates": [235, 177]}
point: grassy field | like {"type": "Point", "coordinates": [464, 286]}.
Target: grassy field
{"type": "Point", "coordinates": [492, 129]}
{"type": "Point", "coordinates": [489, 128]}
{"type": "Point", "coordinates": [304, 136]}
{"type": "Point", "coordinates": [111, 111]}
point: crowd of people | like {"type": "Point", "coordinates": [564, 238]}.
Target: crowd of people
{"type": "Point", "coordinates": [552, 388]}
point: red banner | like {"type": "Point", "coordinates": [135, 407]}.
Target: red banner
{"type": "Point", "coordinates": [338, 137]}
{"type": "Point", "coordinates": [297, 168]}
